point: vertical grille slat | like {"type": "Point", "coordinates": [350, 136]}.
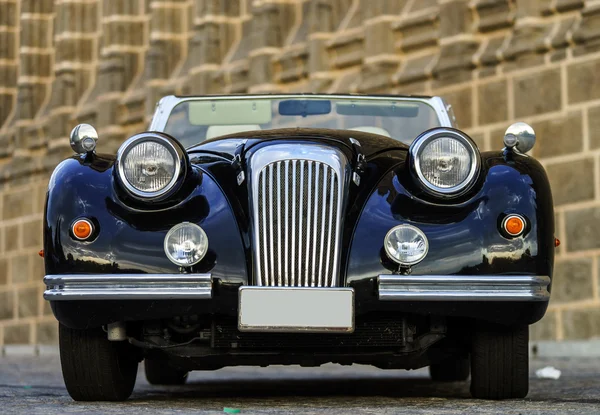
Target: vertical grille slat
{"type": "Point", "coordinates": [308, 221]}
{"type": "Point", "coordinates": [297, 204]}
{"type": "Point", "coordinates": [270, 230]}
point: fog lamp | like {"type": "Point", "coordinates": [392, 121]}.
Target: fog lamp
{"type": "Point", "coordinates": [406, 244]}
{"type": "Point", "coordinates": [186, 244]}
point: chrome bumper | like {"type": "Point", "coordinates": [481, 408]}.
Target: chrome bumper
{"type": "Point", "coordinates": [128, 287]}
{"type": "Point", "coordinates": [463, 288]}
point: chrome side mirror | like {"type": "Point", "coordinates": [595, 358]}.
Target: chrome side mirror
{"type": "Point", "coordinates": [521, 136]}
{"type": "Point", "coordinates": [83, 139]}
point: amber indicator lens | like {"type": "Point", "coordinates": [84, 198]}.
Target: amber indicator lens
{"type": "Point", "coordinates": [82, 229]}
{"type": "Point", "coordinates": [514, 225]}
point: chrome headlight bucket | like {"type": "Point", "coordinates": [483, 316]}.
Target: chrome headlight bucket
{"type": "Point", "coordinates": [445, 161]}
{"type": "Point", "coordinates": [149, 165]}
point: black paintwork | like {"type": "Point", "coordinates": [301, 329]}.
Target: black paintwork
{"type": "Point", "coordinates": [463, 233]}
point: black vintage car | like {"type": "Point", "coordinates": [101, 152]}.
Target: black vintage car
{"type": "Point", "coordinates": [298, 229]}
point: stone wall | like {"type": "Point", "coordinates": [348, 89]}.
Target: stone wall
{"type": "Point", "coordinates": [107, 62]}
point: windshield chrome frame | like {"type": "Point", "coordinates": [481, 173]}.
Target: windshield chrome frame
{"type": "Point", "coordinates": [165, 106]}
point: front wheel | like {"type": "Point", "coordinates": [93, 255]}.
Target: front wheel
{"type": "Point", "coordinates": [94, 368]}
{"type": "Point", "coordinates": [160, 373]}
{"type": "Point", "coordinates": [500, 363]}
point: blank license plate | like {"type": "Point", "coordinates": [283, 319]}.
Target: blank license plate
{"type": "Point", "coordinates": [296, 309]}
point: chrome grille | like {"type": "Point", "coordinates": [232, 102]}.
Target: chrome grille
{"type": "Point", "coordinates": [297, 203]}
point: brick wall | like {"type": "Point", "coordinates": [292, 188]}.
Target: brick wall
{"type": "Point", "coordinates": [107, 62]}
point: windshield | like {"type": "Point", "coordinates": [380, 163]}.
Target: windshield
{"type": "Point", "coordinates": [193, 121]}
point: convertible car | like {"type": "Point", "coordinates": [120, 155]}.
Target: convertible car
{"type": "Point", "coordinates": [299, 230]}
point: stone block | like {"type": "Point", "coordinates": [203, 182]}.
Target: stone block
{"type": "Point", "coordinates": [545, 329]}
{"type": "Point", "coordinates": [19, 268]}
{"type": "Point", "coordinates": [571, 181]}
{"type": "Point", "coordinates": [37, 268]}
{"type": "Point", "coordinates": [32, 234]}
{"type": "Point", "coordinates": [493, 102]}
{"type": "Point", "coordinates": [587, 30]}
{"type": "Point", "coordinates": [12, 238]}
{"type": "Point", "coordinates": [559, 135]}
{"type": "Point", "coordinates": [27, 302]}
{"type": "Point", "coordinates": [17, 334]}
{"type": "Point", "coordinates": [572, 280]}
{"type": "Point", "coordinates": [462, 104]}
{"type": "Point", "coordinates": [377, 77]}
{"type": "Point", "coordinates": [594, 126]}
{"type": "Point", "coordinates": [416, 32]}
{"type": "Point", "coordinates": [378, 39]}
{"type": "Point", "coordinates": [537, 93]}
{"type": "Point", "coordinates": [6, 305]}
{"type": "Point", "coordinates": [582, 81]}
{"type": "Point", "coordinates": [582, 323]}
{"type": "Point", "coordinates": [414, 70]}
{"type": "Point", "coordinates": [493, 15]}
{"type": "Point", "coordinates": [479, 139]}
{"type": "Point", "coordinates": [47, 332]}
{"type": "Point", "coordinates": [455, 62]}
{"type": "Point", "coordinates": [455, 18]}
{"type": "Point", "coordinates": [3, 271]}
{"type": "Point", "coordinates": [17, 203]}
{"type": "Point", "coordinates": [8, 17]}
{"type": "Point", "coordinates": [347, 50]}
{"type": "Point", "coordinates": [582, 229]}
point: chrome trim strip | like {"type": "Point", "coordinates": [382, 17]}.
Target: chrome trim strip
{"type": "Point", "coordinates": [463, 288]}
{"type": "Point", "coordinates": [128, 287]}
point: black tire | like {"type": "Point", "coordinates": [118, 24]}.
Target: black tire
{"type": "Point", "coordinates": [95, 369]}
{"type": "Point", "coordinates": [158, 372]}
{"type": "Point", "coordinates": [500, 363]}
{"type": "Point", "coordinates": [455, 369]}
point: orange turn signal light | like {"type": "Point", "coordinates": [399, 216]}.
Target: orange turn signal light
{"type": "Point", "coordinates": [514, 225]}
{"type": "Point", "coordinates": [82, 229]}
{"type": "Point", "coordinates": [41, 253]}
{"type": "Point", "coordinates": [556, 242]}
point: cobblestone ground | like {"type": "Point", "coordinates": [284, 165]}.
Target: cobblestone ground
{"type": "Point", "coordinates": [33, 385]}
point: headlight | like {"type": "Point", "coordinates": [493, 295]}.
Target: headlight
{"type": "Point", "coordinates": [445, 161]}
{"type": "Point", "coordinates": [406, 244]}
{"type": "Point", "coordinates": [186, 244]}
{"type": "Point", "coordinates": [148, 165]}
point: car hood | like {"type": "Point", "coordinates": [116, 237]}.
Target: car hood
{"type": "Point", "coordinates": [370, 144]}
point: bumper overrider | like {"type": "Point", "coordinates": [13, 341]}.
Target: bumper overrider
{"type": "Point", "coordinates": [390, 287]}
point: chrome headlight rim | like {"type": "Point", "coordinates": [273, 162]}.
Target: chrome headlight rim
{"type": "Point", "coordinates": [175, 229]}
{"type": "Point", "coordinates": [416, 230]}
{"type": "Point", "coordinates": [419, 144]}
{"type": "Point", "coordinates": [173, 149]}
